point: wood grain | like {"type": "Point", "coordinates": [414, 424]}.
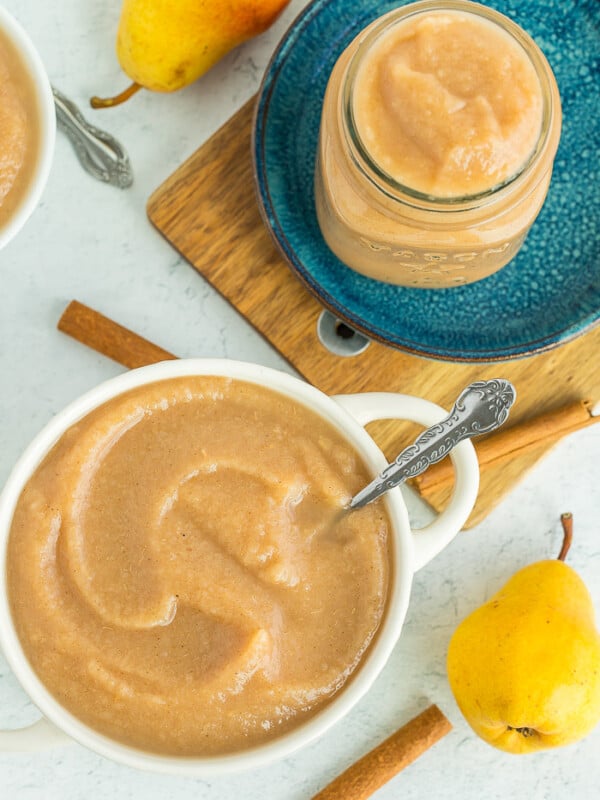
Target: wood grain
{"type": "Point", "coordinates": [208, 211]}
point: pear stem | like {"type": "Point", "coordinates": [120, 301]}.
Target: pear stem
{"type": "Point", "coordinates": [567, 526]}
{"type": "Point", "coordinates": [109, 102]}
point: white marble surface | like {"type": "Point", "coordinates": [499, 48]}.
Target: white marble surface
{"type": "Point", "coordinates": [92, 242]}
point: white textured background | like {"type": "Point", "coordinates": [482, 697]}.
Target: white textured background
{"type": "Point", "coordinates": [92, 242]}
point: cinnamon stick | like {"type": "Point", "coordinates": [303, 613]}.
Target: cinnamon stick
{"type": "Point", "coordinates": [514, 440]}
{"type": "Point", "coordinates": [380, 765]}
{"type": "Point", "coordinates": [109, 338]}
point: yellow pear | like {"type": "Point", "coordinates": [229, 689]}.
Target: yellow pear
{"type": "Point", "coordinates": [525, 667]}
{"type": "Point", "coordinates": [164, 45]}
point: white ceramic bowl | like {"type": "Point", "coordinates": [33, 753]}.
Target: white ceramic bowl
{"type": "Point", "coordinates": [410, 550]}
{"type": "Point", "coordinates": [23, 45]}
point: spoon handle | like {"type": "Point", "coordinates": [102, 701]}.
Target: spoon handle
{"type": "Point", "coordinates": [100, 153]}
{"type": "Point", "coordinates": [480, 408]}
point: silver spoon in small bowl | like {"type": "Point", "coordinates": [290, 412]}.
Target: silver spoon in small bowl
{"type": "Point", "coordinates": [480, 408]}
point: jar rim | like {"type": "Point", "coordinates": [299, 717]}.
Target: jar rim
{"type": "Point", "coordinates": [376, 174]}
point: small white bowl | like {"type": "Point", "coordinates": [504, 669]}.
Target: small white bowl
{"type": "Point", "coordinates": [409, 552]}
{"type": "Point", "coordinates": [14, 33]}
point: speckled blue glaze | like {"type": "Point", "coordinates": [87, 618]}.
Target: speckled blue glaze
{"type": "Point", "coordinates": [549, 294]}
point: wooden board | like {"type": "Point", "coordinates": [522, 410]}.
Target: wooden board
{"type": "Point", "coordinates": [208, 211]}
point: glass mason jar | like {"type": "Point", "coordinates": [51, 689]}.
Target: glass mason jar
{"type": "Point", "coordinates": [397, 234]}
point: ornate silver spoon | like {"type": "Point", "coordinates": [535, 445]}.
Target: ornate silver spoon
{"type": "Point", "coordinates": [100, 153]}
{"type": "Point", "coordinates": [481, 407]}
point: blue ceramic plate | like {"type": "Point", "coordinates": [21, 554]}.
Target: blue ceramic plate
{"type": "Point", "coordinates": [548, 295]}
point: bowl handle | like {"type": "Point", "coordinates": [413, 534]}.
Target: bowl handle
{"type": "Point", "coordinates": [42, 735]}
{"type": "Point", "coordinates": [431, 539]}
